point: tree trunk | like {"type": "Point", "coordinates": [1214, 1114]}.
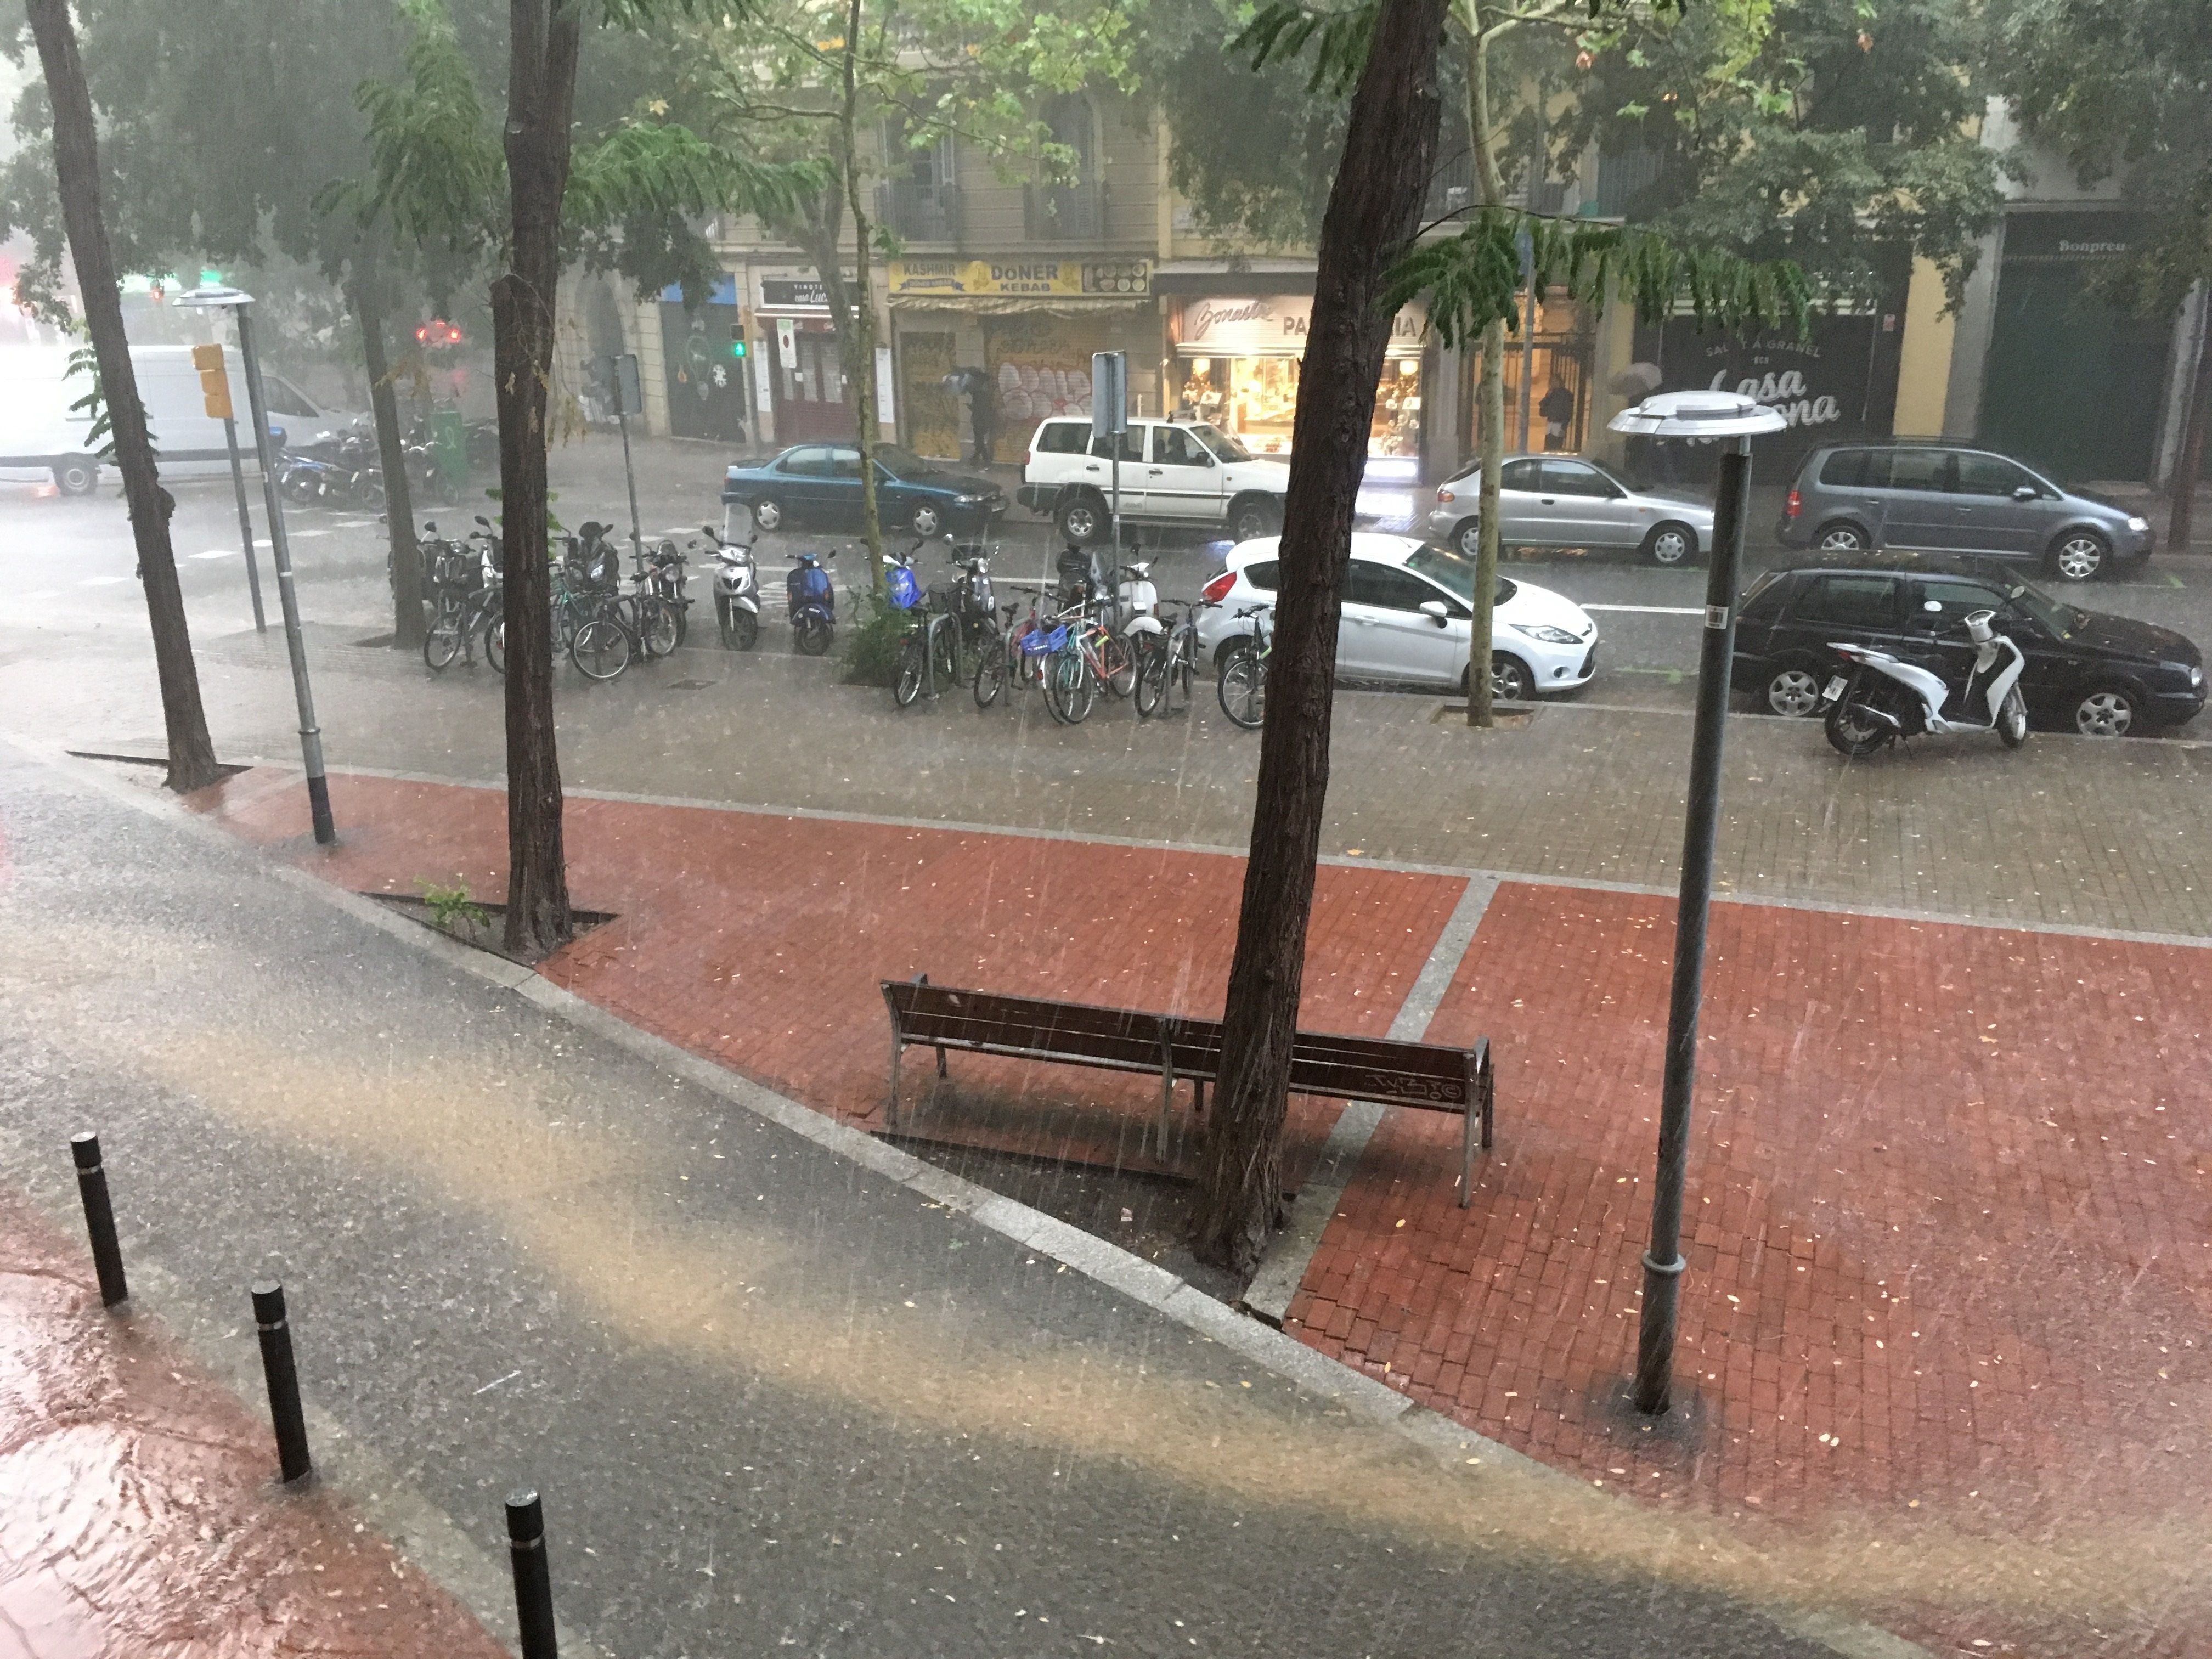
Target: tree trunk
{"type": "Point", "coordinates": [1373, 209]}
{"type": "Point", "coordinates": [407, 625]}
{"type": "Point", "coordinates": [2190, 467]}
{"type": "Point", "coordinates": [863, 350]}
{"type": "Point", "coordinates": [1493, 400]}
{"type": "Point", "coordinates": [541, 92]}
{"type": "Point", "coordinates": [76, 170]}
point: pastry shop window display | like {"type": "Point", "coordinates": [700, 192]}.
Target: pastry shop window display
{"type": "Point", "coordinates": [1256, 400]}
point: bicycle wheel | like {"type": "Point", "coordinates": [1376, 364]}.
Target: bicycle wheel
{"type": "Point", "coordinates": [1182, 662]}
{"type": "Point", "coordinates": [1152, 683]}
{"type": "Point", "coordinates": [944, 646]}
{"type": "Point", "coordinates": [443, 642]}
{"type": "Point", "coordinates": [1071, 689]}
{"type": "Point", "coordinates": [1118, 664]}
{"type": "Point", "coordinates": [600, 649]}
{"type": "Point", "coordinates": [990, 675]}
{"type": "Point", "coordinates": [659, 626]}
{"type": "Point", "coordinates": [1244, 690]}
{"type": "Point", "coordinates": [496, 646]}
{"type": "Point", "coordinates": [907, 686]}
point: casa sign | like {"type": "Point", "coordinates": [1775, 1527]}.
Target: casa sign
{"type": "Point", "coordinates": [1273, 326]}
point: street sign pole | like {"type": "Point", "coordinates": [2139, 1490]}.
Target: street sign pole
{"type": "Point", "coordinates": [629, 399]}
{"type": "Point", "coordinates": [1110, 418]}
{"type": "Point", "coordinates": [280, 553]}
{"type": "Point", "coordinates": [244, 524]}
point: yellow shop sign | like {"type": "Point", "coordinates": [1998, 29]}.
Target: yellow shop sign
{"type": "Point", "coordinates": [1004, 278]}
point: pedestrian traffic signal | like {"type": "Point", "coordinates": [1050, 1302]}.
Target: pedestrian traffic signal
{"type": "Point", "coordinates": [737, 343]}
{"type": "Point", "coordinates": [215, 383]}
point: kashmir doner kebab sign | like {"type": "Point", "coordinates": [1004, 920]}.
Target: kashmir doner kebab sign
{"type": "Point", "coordinates": [1017, 278]}
{"type": "Point", "coordinates": [1273, 325]}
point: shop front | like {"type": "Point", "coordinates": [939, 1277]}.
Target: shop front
{"type": "Point", "coordinates": [1234, 361]}
{"type": "Point", "coordinates": [803, 372]}
{"type": "Point", "coordinates": [705, 382]}
{"type": "Point", "coordinates": [1030, 325]}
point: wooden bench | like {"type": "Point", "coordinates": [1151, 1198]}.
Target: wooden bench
{"type": "Point", "coordinates": [1175, 1048]}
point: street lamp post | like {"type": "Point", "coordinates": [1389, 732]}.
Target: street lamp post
{"type": "Point", "coordinates": [241, 305]}
{"type": "Point", "coordinates": [1734, 419]}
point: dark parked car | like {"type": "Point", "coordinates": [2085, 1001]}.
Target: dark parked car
{"type": "Point", "coordinates": [1934, 498]}
{"type": "Point", "coordinates": [819, 485]}
{"type": "Point", "coordinates": [2098, 675]}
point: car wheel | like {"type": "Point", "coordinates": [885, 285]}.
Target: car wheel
{"type": "Point", "coordinates": [768, 513]}
{"type": "Point", "coordinates": [1841, 538]}
{"type": "Point", "coordinates": [1793, 690]}
{"type": "Point", "coordinates": [1468, 538]}
{"type": "Point", "coordinates": [2109, 711]}
{"type": "Point", "coordinates": [927, 521]}
{"type": "Point", "coordinates": [1510, 679]}
{"type": "Point", "coordinates": [1082, 520]}
{"type": "Point", "coordinates": [77, 476]}
{"type": "Point", "coordinates": [1671, 544]}
{"type": "Point", "coordinates": [2080, 555]}
{"type": "Point", "coordinates": [1253, 519]}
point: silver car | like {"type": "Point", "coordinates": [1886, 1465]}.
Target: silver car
{"type": "Point", "coordinates": [1567, 501]}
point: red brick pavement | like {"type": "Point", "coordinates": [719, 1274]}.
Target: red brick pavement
{"type": "Point", "coordinates": [139, 1513]}
{"type": "Point", "coordinates": [1950, 1235]}
{"type": "Point", "coordinates": [1950, 1218]}
{"type": "Point", "coordinates": [758, 940]}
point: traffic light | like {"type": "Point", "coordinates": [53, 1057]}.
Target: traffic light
{"type": "Point", "coordinates": [215, 384]}
{"type": "Point", "coordinates": [736, 340]}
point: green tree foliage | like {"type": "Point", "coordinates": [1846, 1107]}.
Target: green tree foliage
{"type": "Point", "coordinates": [1837, 134]}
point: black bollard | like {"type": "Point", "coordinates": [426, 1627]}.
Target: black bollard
{"type": "Point", "coordinates": [291, 1424]}
{"type": "Point", "coordinates": [99, 1219]}
{"type": "Point", "coordinates": [533, 1579]}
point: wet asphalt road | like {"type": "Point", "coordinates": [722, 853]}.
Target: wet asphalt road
{"type": "Point", "coordinates": [65, 565]}
{"type": "Point", "coordinates": [773, 1401]}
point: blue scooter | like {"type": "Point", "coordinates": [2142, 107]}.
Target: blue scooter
{"type": "Point", "coordinates": [813, 604]}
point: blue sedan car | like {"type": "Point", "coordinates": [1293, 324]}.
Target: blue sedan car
{"type": "Point", "coordinates": [819, 485]}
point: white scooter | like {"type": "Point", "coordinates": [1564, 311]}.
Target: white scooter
{"type": "Point", "coordinates": [737, 590]}
{"type": "Point", "coordinates": [1884, 698]}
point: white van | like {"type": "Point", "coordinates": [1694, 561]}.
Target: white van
{"type": "Point", "coordinates": [42, 438]}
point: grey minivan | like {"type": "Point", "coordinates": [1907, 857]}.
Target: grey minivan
{"type": "Point", "coordinates": [1935, 498]}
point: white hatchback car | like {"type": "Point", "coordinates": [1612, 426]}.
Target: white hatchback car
{"type": "Point", "coordinates": [1406, 618]}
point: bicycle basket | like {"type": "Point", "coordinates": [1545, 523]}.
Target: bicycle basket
{"type": "Point", "coordinates": [905, 592]}
{"type": "Point", "coordinates": [1038, 643]}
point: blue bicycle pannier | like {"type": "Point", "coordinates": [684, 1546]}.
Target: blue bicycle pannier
{"type": "Point", "coordinates": [906, 593]}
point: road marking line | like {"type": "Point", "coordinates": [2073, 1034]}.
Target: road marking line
{"type": "Point", "coordinates": [103, 581]}
{"type": "Point", "coordinates": [217, 553]}
{"type": "Point", "coordinates": [1653, 610]}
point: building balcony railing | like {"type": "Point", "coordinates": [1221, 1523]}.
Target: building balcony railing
{"type": "Point", "coordinates": [916, 212]}
{"type": "Point", "coordinates": [1064, 213]}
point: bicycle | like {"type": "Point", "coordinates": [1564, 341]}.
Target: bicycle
{"type": "Point", "coordinates": [1011, 653]}
{"type": "Point", "coordinates": [932, 642]}
{"type": "Point", "coordinates": [1090, 656]}
{"type": "Point", "coordinates": [653, 610]}
{"type": "Point", "coordinates": [1167, 666]}
{"type": "Point", "coordinates": [1244, 685]}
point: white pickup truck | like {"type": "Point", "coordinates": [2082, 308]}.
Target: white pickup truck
{"type": "Point", "coordinates": [1173, 472]}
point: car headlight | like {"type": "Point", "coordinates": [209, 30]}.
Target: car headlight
{"type": "Point", "coordinates": [968, 501]}
{"type": "Point", "coordinates": [1549, 636]}
{"type": "Point", "coordinates": [2196, 678]}
{"type": "Point", "coordinates": [2138, 524]}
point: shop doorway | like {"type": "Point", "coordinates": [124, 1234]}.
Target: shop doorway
{"type": "Point", "coordinates": [1040, 366]}
{"type": "Point", "coordinates": [808, 384]}
{"type": "Point", "coordinates": [932, 413]}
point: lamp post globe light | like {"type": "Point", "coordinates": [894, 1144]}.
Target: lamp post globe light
{"type": "Point", "coordinates": [214, 296]}
{"type": "Point", "coordinates": [1735, 419]}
